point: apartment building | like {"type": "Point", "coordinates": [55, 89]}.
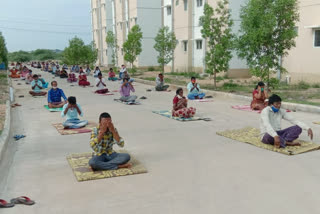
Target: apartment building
{"type": "Point", "coordinates": [120, 16]}
{"type": "Point", "coordinates": [182, 17]}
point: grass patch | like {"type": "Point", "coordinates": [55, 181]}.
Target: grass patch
{"type": "Point", "coordinates": [149, 78]}
{"type": "Point", "coordinates": [185, 74]}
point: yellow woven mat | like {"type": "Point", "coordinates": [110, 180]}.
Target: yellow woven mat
{"type": "Point", "coordinates": [83, 172]}
{"type": "Point", "coordinates": [252, 136]}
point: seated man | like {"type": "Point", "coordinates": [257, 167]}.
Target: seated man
{"type": "Point", "coordinates": [44, 83]}
{"type": "Point", "coordinates": [101, 84]}
{"type": "Point", "coordinates": [125, 89]}
{"type": "Point", "coordinates": [14, 73]}
{"type": "Point", "coordinates": [194, 90]}
{"type": "Point", "coordinates": [125, 75]}
{"type": "Point", "coordinates": [112, 75]}
{"type": "Point", "coordinates": [270, 125]}
{"type": "Point", "coordinates": [72, 110]}
{"type": "Point", "coordinates": [54, 96]}
{"type": "Point", "coordinates": [88, 70]}
{"type": "Point", "coordinates": [36, 87]}
{"type": "Point", "coordinates": [160, 83]}
{"type": "Point", "coordinates": [122, 70]}
{"type": "Point", "coordinates": [63, 73]}
{"type": "Point", "coordinates": [102, 140]}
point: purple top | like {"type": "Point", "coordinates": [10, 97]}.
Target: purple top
{"type": "Point", "coordinates": [125, 90]}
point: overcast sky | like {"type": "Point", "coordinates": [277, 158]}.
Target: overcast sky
{"type": "Point", "coordinates": [29, 24]}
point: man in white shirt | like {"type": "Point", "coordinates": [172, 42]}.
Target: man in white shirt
{"type": "Point", "coordinates": [270, 125]}
{"type": "Point", "coordinates": [160, 83]}
{"type": "Point", "coordinates": [122, 70]}
{"type": "Point", "coordinates": [101, 84]}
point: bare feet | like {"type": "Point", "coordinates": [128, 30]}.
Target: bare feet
{"type": "Point", "coordinates": [294, 143]}
{"type": "Point", "coordinates": [126, 165]}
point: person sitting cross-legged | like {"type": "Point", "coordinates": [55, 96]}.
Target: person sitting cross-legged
{"type": "Point", "coordinates": [63, 73]}
{"type": "Point", "coordinates": [102, 140]}
{"type": "Point", "coordinates": [72, 77]}
{"type": "Point", "coordinates": [259, 97]}
{"type": "Point", "coordinates": [160, 83]}
{"type": "Point", "coordinates": [270, 125]}
{"type": "Point", "coordinates": [71, 110]}
{"type": "Point", "coordinates": [194, 90]}
{"type": "Point", "coordinates": [180, 106]}
{"type": "Point", "coordinates": [54, 96]}
{"type": "Point", "coordinates": [101, 84]}
{"type": "Point", "coordinates": [36, 86]}
{"type": "Point", "coordinates": [83, 80]}
{"type": "Point", "coordinates": [125, 90]}
{"type": "Point", "coordinates": [112, 75]}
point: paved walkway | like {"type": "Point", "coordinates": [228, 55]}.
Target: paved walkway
{"type": "Point", "coordinates": [191, 169]}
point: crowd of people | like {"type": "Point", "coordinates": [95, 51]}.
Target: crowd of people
{"type": "Point", "coordinates": [105, 135]}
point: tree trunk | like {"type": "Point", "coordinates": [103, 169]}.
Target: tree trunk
{"type": "Point", "coordinates": [162, 68]}
{"type": "Point", "coordinates": [215, 79]}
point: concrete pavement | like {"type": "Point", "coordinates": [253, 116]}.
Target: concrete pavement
{"type": "Point", "coordinates": [191, 169]}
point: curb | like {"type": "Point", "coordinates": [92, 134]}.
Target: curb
{"type": "Point", "coordinates": [4, 138]}
{"type": "Point", "coordinates": [290, 106]}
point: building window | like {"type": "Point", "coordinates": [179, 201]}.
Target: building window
{"type": "Point", "coordinates": [185, 2]}
{"type": "Point", "coordinates": [177, 2]}
{"type": "Point", "coordinates": [199, 3]}
{"type": "Point", "coordinates": [121, 51]}
{"type": "Point", "coordinates": [199, 44]}
{"type": "Point", "coordinates": [185, 45]}
{"type": "Point", "coordinates": [317, 38]}
{"type": "Point", "coordinates": [120, 25]}
{"type": "Point", "coordinates": [169, 10]}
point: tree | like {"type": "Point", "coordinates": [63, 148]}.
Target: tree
{"type": "Point", "coordinates": [165, 45]}
{"type": "Point", "coordinates": [216, 28]}
{"type": "Point", "coordinates": [111, 41]}
{"type": "Point", "coordinates": [267, 33]}
{"type": "Point", "coordinates": [44, 54]}
{"type": "Point", "coordinates": [79, 53]}
{"type": "Point", "coordinates": [20, 56]}
{"type": "Point", "coordinates": [3, 51]}
{"type": "Point", "coordinates": [132, 47]}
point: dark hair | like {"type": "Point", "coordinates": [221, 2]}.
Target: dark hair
{"type": "Point", "coordinates": [53, 82]}
{"type": "Point", "coordinates": [193, 78]}
{"type": "Point", "coordinates": [161, 74]}
{"type": "Point", "coordinates": [104, 115]}
{"type": "Point", "coordinates": [273, 99]}
{"type": "Point", "coordinates": [126, 79]}
{"type": "Point", "coordinates": [178, 90]}
{"type": "Point", "coordinates": [111, 69]}
{"type": "Point", "coordinates": [72, 100]}
{"type": "Point", "coordinates": [260, 84]}
{"type": "Point", "coordinates": [30, 70]}
{"type": "Point", "coordinates": [99, 74]}
{"type": "Point", "coordinates": [35, 76]}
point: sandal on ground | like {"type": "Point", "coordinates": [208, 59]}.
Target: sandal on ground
{"type": "Point", "coordinates": [143, 98]}
{"type": "Point", "coordinates": [22, 200]}
{"type": "Point", "coordinates": [18, 137]}
{"type": "Point", "coordinates": [5, 204]}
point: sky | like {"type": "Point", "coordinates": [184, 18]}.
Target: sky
{"type": "Point", "coordinates": [49, 24]}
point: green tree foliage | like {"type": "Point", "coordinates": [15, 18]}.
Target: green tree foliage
{"type": "Point", "coordinates": [165, 45]}
{"type": "Point", "coordinates": [132, 47]}
{"type": "Point", "coordinates": [216, 28]}
{"type": "Point", "coordinates": [79, 53]}
{"type": "Point", "coordinates": [45, 54]}
{"type": "Point", "coordinates": [20, 56]}
{"type": "Point", "coordinates": [267, 33]}
{"type": "Point", "coordinates": [3, 51]}
{"type": "Point", "coordinates": [111, 41]}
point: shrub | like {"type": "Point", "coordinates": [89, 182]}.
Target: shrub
{"type": "Point", "coordinates": [316, 85]}
{"type": "Point", "coordinates": [151, 68]}
{"type": "Point", "coordinates": [303, 85]}
{"type": "Point", "coordinates": [274, 83]}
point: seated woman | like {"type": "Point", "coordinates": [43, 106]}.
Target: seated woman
{"type": "Point", "coordinates": [29, 77]}
{"type": "Point", "coordinates": [83, 80]}
{"type": "Point", "coordinates": [180, 106]}
{"type": "Point", "coordinates": [63, 73]}
{"type": "Point", "coordinates": [24, 73]}
{"type": "Point", "coordinates": [112, 75]}
{"type": "Point", "coordinates": [72, 77]}
{"type": "Point", "coordinates": [36, 87]}
{"type": "Point", "coordinates": [14, 73]}
{"type": "Point", "coordinates": [58, 72]}
{"type": "Point", "coordinates": [259, 96]}
{"type": "Point", "coordinates": [101, 84]}
{"type": "Point", "coordinates": [71, 110]}
{"type": "Point", "coordinates": [102, 140]}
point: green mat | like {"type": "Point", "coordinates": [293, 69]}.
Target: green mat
{"type": "Point", "coordinates": [53, 109]}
